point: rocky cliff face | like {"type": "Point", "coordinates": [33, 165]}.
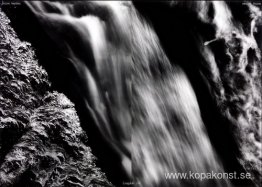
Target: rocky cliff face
{"type": "Point", "coordinates": [41, 141]}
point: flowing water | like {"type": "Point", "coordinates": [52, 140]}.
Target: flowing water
{"type": "Point", "coordinates": [143, 105]}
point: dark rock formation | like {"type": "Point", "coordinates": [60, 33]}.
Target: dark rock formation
{"type": "Point", "coordinates": [41, 141]}
{"type": "Point", "coordinates": [235, 56]}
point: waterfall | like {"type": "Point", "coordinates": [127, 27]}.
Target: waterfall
{"type": "Point", "coordinates": [143, 105]}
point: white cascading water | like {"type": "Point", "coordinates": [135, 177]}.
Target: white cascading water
{"type": "Point", "coordinates": [144, 106]}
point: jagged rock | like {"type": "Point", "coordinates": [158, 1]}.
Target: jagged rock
{"type": "Point", "coordinates": [41, 140]}
{"type": "Point", "coordinates": [236, 57]}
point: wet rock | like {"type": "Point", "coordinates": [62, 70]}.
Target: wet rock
{"type": "Point", "coordinates": [41, 140]}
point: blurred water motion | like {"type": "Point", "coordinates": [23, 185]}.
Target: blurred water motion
{"type": "Point", "coordinates": [142, 103]}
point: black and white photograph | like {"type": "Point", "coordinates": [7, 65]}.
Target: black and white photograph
{"type": "Point", "coordinates": [142, 93]}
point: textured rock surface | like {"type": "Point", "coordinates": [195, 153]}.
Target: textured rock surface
{"type": "Point", "coordinates": [41, 141]}
{"type": "Point", "coordinates": [234, 61]}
